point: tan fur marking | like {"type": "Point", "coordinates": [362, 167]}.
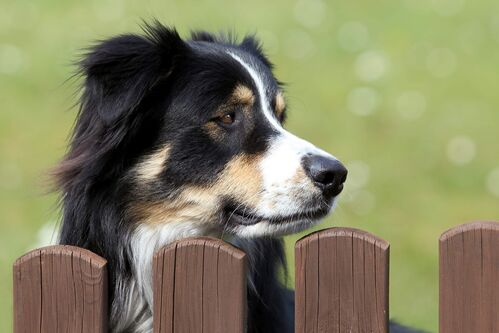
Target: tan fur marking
{"type": "Point", "coordinates": [280, 103]}
{"type": "Point", "coordinates": [214, 130]}
{"type": "Point", "coordinates": [149, 168]}
{"type": "Point", "coordinates": [243, 94]}
{"type": "Point", "coordinates": [178, 210]}
{"type": "Point", "coordinates": [241, 179]}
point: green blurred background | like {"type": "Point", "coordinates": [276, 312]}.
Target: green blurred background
{"type": "Point", "coordinates": [405, 92]}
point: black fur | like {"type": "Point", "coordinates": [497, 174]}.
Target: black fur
{"type": "Point", "coordinates": [133, 89]}
{"type": "Point", "coordinates": [270, 304]}
{"type": "Point", "coordinates": [110, 134]}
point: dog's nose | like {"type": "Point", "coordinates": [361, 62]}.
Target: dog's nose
{"type": "Point", "coordinates": [327, 173]}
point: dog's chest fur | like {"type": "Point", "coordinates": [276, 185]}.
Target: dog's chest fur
{"type": "Point", "coordinates": [266, 296]}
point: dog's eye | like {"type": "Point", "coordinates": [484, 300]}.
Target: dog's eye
{"type": "Point", "coordinates": [227, 119]}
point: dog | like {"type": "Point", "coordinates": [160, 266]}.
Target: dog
{"type": "Point", "coordinates": [177, 138]}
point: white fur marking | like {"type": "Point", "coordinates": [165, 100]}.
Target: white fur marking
{"type": "Point", "coordinates": [261, 91]}
{"type": "Point", "coordinates": [146, 240]}
{"type": "Point", "coordinates": [280, 164]}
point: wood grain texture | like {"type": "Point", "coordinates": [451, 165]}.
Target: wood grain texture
{"type": "Point", "coordinates": [341, 282]}
{"type": "Point", "coordinates": [199, 286]}
{"type": "Point", "coordinates": [469, 278]}
{"type": "Point", "coordinates": [60, 289]}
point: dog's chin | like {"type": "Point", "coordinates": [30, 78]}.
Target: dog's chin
{"type": "Point", "coordinates": [244, 223]}
{"type": "Point", "coordinates": [269, 229]}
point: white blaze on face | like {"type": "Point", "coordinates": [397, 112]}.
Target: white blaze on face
{"type": "Point", "coordinates": [284, 180]}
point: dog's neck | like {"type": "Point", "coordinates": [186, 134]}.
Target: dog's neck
{"type": "Point", "coordinates": [135, 296]}
{"type": "Point", "coordinates": [267, 299]}
{"type": "Point", "coordinates": [147, 239]}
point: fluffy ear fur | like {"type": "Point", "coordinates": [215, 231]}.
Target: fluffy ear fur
{"type": "Point", "coordinates": [119, 73]}
{"type": "Point", "coordinates": [121, 70]}
{"type": "Point", "coordinates": [115, 123]}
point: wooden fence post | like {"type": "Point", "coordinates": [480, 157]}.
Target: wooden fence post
{"type": "Point", "coordinates": [469, 278]}
{"type": "Point", "coordinates": [341, 282]}
{"type": "Point", "coordinates": [60, 289]}
{"type": "Point", "coordinates": [199, 286]}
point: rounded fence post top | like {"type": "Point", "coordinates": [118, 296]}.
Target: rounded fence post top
{"type": "Point", "coordinates": [463, 228]}
{"type": "Point", "coordinates": [206, 242]}
{"type": "Point", "coordinates": [344, 232]}
{"type": "Point", "coordinates": [67, 250]}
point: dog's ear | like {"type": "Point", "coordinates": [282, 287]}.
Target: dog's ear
{"type": "Point", "coordinates": [120, 71]}
{"type": "Point", "coordinates": [252, 45]}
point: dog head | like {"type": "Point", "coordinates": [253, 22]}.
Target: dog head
{"type": "Point", "coordinates": [192, 131]}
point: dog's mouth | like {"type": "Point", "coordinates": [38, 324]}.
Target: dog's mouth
{"type": "Point", "coordinates": [245, 216]}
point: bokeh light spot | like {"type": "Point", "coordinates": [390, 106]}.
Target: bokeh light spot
{"type": "Point", "coordinates": [358, 175]}
{"type": "Point", "coordinates": [298, 44]}
{"type": "Point", "coordinates": [471, 37]}
{"type": "Point", "coordinates": [461, 150]}
{"type": "Point", "coordinates": [494, 27]}
{"type": "Point", "coordinates": [12, 59]}
{"type": "Point", "coordinates": [411, 104]}
{"type": "Point", "coordinates": [109, 10]}
{"type": "Point", "coordinates": [310, 13]}
{"type": "Point", "coordinates": [363, 101]}
{"type": "Point", "coordinates": [353, 36]}
{"type": "Point", "coordinates": [448, 7]}
{"type": "Point", "coordinates": [371, 65]}
{"type": "Point", "coordinates": [492, 182]}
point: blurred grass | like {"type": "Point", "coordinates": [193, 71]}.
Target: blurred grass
{"type": "Point", "coordinates": [405, 92]}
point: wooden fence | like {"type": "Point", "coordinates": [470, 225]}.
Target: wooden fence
{"type": "Point", "coordinates": [199, 285]}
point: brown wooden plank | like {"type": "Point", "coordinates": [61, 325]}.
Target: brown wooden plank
{"type": "Point", "coordinates": [231, 290]}
{"type": "Point", "coordinates": [300, 284]}
{"type": "Point", "coordinates": [381, 280]}
{"type": "Point", "coordinates": [188, 298]}
{"type": "Point", "coordinates": [164, 282]}
{"type": "Point", "coordinates": [469, 276]}
{"type": "Point", "coordinates": [49, 297]}
{"type": "Point", "coordinates": [65, 295]}
{"type": "Point", "coordinates": [329, 304]}
{"type": "Point", "coordinates": [307, 286]}
{"type": "Point", "coordinates": [27, 293]}
{"type": "Point", "coordinates": [346, 279]}
{"type": "Point", "coordinates": [78, 285]}
{"type": "Point", "coordinates": [202, 287]}
{"type": "Point", "coordinates": [210, 287]}
{"type": "Point", "coordinates": [361, 318]}
{"type": "Point", "coordinates": [342, 277]}
{"type": "Point", "coordinates": [490, 277]}
{"type": "Point", "coordinates": [370, 294]}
